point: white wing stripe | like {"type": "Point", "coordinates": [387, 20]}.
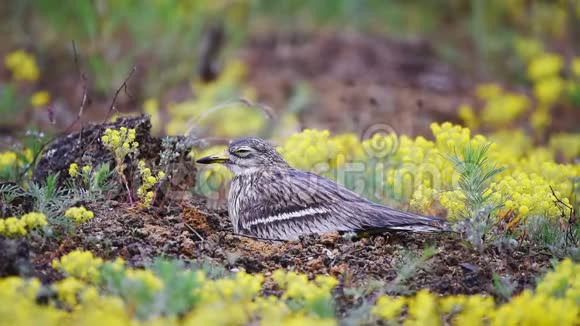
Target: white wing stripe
{"type": "Point", "coordinates": [288, 216]}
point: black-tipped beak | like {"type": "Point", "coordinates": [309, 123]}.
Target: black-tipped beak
{"type": "Point", "coordinates": [212, 159]}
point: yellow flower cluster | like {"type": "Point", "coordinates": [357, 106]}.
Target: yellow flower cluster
{"type": "Point", "coordinates": [40, 99]}
{"type": "Point", "coordinates": [122, 143]}
{"type": "Point", "coordinates": [242, 288]}
{"type": "Point", "coordinates": [379, 146]}
{"type": "Point", "coordinates": [418, 169]}
{"type": "Point", "coordinates": [563, 282]}
{"type": "Point", "coordinates": [7, 159]}
{"type": "Point", "coordinates": [237, 301]}
{"type": "Point", "coordinates": [68, 290]}
{"type": "Point", "coordinates": [79, 215]}
{"type": "Point", "coordinates": [145, 277]}
{"type": "Point", "coordinates": [544, 69]}
{"type": "Point", "coordinates": [467, 114]}
{"type": "Point", "coordinates": [151, 107]}
{"type": "Point", "coordinates": [16, 227]}
{"type": "Point", "coordinates": [314, 149]}
{"type": "Point", "coordinates": [148, 181]}
{"type": "Point", "coordinates": [79, 264]}
{"type": "Point", "coordinates": [298, 287]}
{"type": "Point", "coordinates": [500, 108]}
{"type": "Point", "coordinates": [213, 108]}
{"type": "Point", "coordinates": [566, 144]}
{"type": "Point", "coordinates": [22, 65]}
{"type": "Point", "coordinates": [529, 195]}
{"type": "Point", "coordinates": [87, 169]}
{"type": "Point", "coordinates": [10, 159]}
{"type": "Point", "coordinates": [557, 293]}
{"type": "Point", "coordinates": [524, 187]}
{"type": "Point", "coordinates": [227, 301]}
{"type": "Point", "coordinates": [73, 170]}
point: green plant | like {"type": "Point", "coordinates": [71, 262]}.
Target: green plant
{"type": "Point", "coordinates": [52, 200]}
{"type": "Point", "coordinates": [475, 176]}
{"type": "Point", "coordinates": [9, 192]}
{"type": "Point", "coordinates": [406, 268]}
{"type": "Point", "coordinates": [549, 234]}
{"type": "Point", "coordinates": [503, 286]}
{"type": "Point", "coordinates": [89, 184]}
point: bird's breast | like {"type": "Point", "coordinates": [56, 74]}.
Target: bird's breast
{"type": "Point", "coordinates": [239, 195]}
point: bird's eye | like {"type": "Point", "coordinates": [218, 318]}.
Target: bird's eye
{"type": "Point", "coordinates": [242, 152]}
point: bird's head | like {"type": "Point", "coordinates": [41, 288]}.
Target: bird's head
{"type": "Point", "coordinates": [246, 155]}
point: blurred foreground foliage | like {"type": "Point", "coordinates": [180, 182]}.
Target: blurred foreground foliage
{"type": "Point", "coordinates": [166, 293]}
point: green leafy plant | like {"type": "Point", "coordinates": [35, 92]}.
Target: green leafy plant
{"type": "Point", "coordinates": [503, 286]}
{"type": "Point", "coordinates": [406, 268]}
{"type": "Point", "coordinates": [52, 200]}
{"type": "Point", "coordinates": [476, 174]}
{"type": "Point", "coordinates": [91, 184]}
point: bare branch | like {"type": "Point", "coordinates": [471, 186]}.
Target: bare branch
{"type": "Point", "coordinates": [122, 87]}
{"type": "Point", "coordinates": [85, 86]}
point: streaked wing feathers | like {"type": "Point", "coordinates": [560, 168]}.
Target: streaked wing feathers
{"type": "Point", "coordinates": [297, 202]}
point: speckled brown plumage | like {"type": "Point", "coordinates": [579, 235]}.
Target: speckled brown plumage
{"type": "Point", "coordinates": [270, 199]}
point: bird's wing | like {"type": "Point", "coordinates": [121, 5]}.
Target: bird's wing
{"type": "Point", "coordinates": [295, 202]}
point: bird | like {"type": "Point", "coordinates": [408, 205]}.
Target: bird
{"type": "Point", "coordinates": [269, 199]}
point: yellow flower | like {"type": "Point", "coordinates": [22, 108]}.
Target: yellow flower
{"type": "Point", "coordinates": [68, 289]}
{"type": "Point", "coordinates": [151, 107]}
{"type": "Point", "coordinates": [34, 220]}
{"type": "Point", "coordinates": [488, 91]}
{"type": "Point", "coordinates": [145, 277]}
{"type": "Point", "coordinates": [73, 170]}
{"type": "Point", "coordinates": [423, 309]}
{"type": "Point", "coordinates": [566, 143]}
{"type": "Point", "coordinates": [548, 90]}
{"type": "Point", "coordinates": [12, 227]}
{"type": "Point", "coordinates": [148, 181]}
{"type": "Point", "coordinates": [504, 108]}
{"type": "Point", "coordinates": [79, 214]}
{"type": "Point", "coordinates": [576, 66]}
{"type": "Point", "coordinates": [468, 116]}
{"type": "Point", "coordinates": [80, 264]}
{"type": "Point", "coordinates": [541, 118]}
{"type": "Point", "coordinates": [8, 159]}
{"type": "Point", "coordinates": [389, 309]}
{"type": "Point", "coordinates": [122, 143]}
{"type": "Point", "coordinates": [40, 99]}
{"type": "Point", "coordinates": [22, 65]}
{"type": "Point", "coordinates": [87, 169]}
{"type": "Point", "coordinates": [545, 66]}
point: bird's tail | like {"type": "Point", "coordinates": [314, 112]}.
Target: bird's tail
{"type": "Point", "coordinates": [392, 219]}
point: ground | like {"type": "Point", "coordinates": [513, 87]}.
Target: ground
{"type": "Point", "coordinates": [194, 233]}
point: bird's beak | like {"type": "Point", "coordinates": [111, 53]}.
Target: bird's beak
{"type": "Point", "coordinates": [212, 159]}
